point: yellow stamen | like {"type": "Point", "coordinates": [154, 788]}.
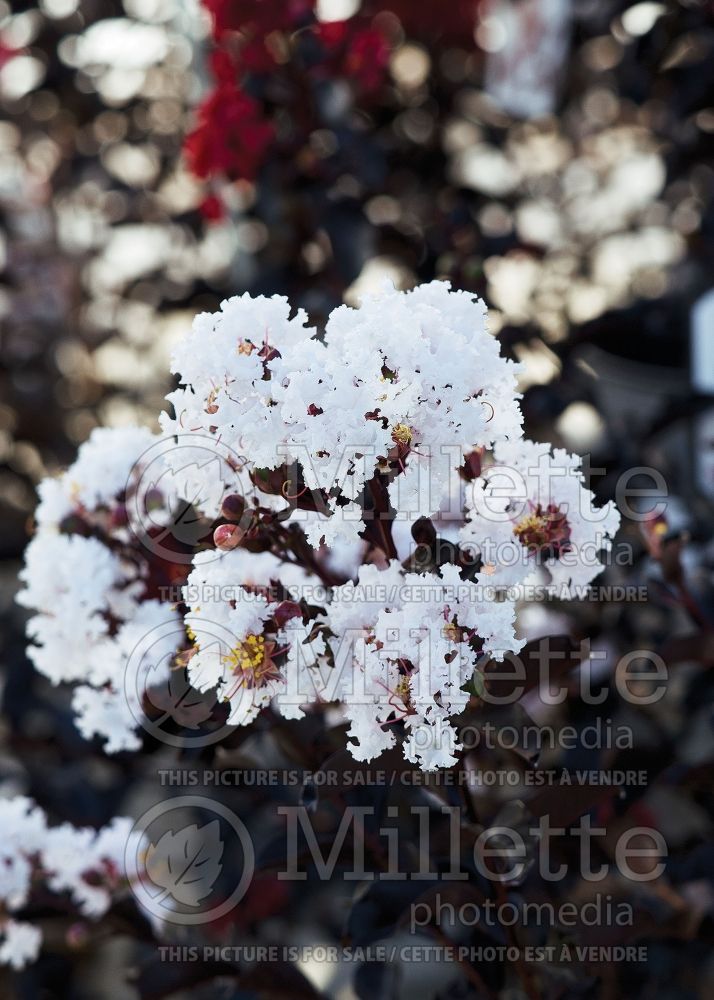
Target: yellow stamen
{"type": "Point", "coordinates": [544, 529]}
{"type": "Point", "coordinates": [402, 434]}
{"type": "Point", "coordinates": [247, 655]}
{"type": "Point", "coordinates": [251, 660]}
{"type": "Point", "coordinates": [403, 690]}
{"type": "Point", "coordinates": [531, 524]}
{"type": "Point", "coordinates": [452, 632]}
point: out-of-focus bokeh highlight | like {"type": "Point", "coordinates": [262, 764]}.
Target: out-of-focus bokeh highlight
{"type": "Point", "coordinates": [550, 155]}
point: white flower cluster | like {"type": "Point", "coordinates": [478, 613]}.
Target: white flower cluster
{"type": "Point", "coordinates": [87, 585]}
{"type": "Point", "coordinates": [346, 468]}
{"type": "Point", "coordinates": [408, 374]}
{"type": "Point", "coordinates": [86, 864]}
{"type": "Point", "coordinates": [428, 622]}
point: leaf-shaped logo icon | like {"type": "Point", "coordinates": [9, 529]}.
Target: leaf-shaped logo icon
{"type": "Point", "coordinates": [196, 486]}
{"type": "Point", "coordinates": [185, 864]}
{"type": "Point", "coordinates": [181, 702]}
{"type": "Point", "coordinates": [185, 523]}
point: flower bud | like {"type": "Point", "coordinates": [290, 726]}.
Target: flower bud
{"type": "Point", "coordinates": [471, 469]}
{"type": "Point", "coordinates": [227, 537]}
{"type": "Point", "coordinates": [233, 507]}
{"type": "Point", "coordinates": [286, 611]}
{"type": "Point", "coordinates": [424, 532]}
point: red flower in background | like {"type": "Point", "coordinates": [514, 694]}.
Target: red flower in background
{"type": "Point", "coordinates": [231, 136]}
{"type": "Point", "coordinates": [268, 57]}
{"type": "Point", "coordinates": [212, 209]}
{"type": "Point", "coordinates": [367, 58]}
{"type": "Point", "coordinates": [361, 54]}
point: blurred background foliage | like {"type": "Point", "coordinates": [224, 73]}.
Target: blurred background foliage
{"type": "Point", "coordinates": [378, 144]}
{"type": "Point", "coordinates": [555, 157]}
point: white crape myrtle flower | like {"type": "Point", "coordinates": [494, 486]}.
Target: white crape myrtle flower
{"type": "Point", "coordinates": [24, 828]}
{"type": "Point", "coordinates": [87, 864]}
{"type": "Point", "coordinates": [530, 509]}
{"type": "Point", "coordinates": [231, 601]}
{"type": "Point", "coordinates": [71, 853]}
{"type": "Point", "coordinates": [105, 713]}
{"type": "Point", "coordinates": [136, 659]}
{"type": "Point", "coordinates": [71, 582]}
{"type": "Point", "coordinates": [88, 589]}
{"type": "Point", "coordinates": [233, 366]}
{"type": "Point", "coordinates": [20, 943]}
{"type": "Point", "coordinates": [103, 467]}
{"type": "Point", "coordinates": [432, 741]}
